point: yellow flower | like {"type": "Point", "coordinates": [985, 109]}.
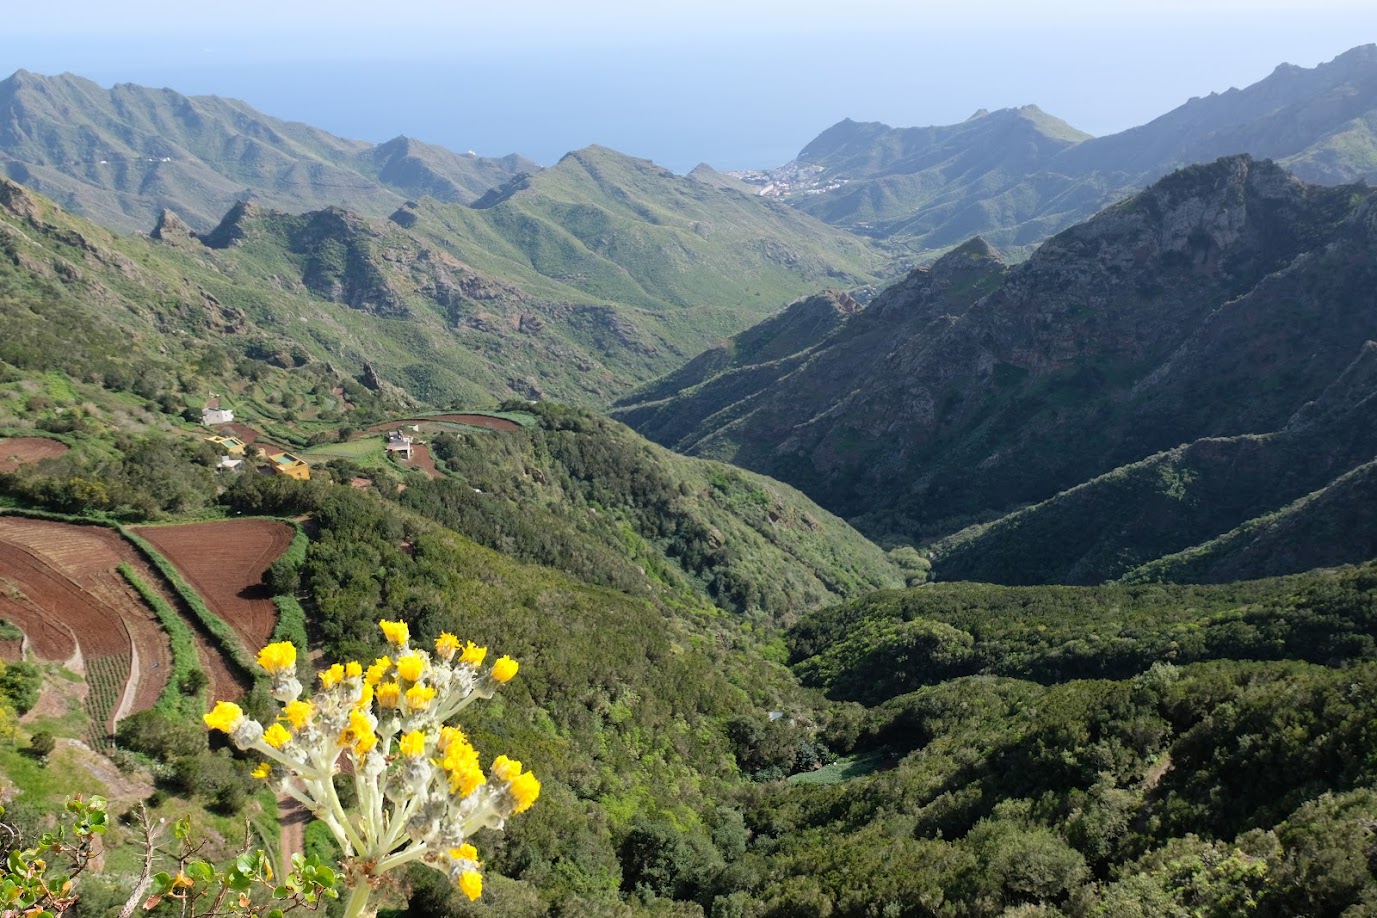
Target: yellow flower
{"type": "Point", "coordinates": [278, 658]}
{"type": "Point", "coordinates": [446, 645]}
{"type": "Point", "coordinates": [459, 755]}
{"type": "Point", "coordinates": [450, 735]}
{"type": "Point", "coordinates": [505, 769]}
{"type": "Point", "coordinates": [276, 736]}
{"type": "Point", "coordinates": [464, 853]}
{"type": "Point", "coordinates": [473, 654]}
{"type": "Point", "coordinates": [396, 632]}
{"type": "Point", "coordinates": [365, 696]}
{"type": "Point", "coordinates": [464, 781]}
{"type": "Point", "coordinates": [504, 669]}
{"type": "Point", "coordinates": [359, 733]}
{"type": "Point", "coordinates": [379, 669]}
{"type": "Point", "coordinates": [411, 666]}
{"type": "Point", "coordinates": [262, 771]}
{"type": "Point", "coordinates": [413, 744]}
{"type": "Point", "coordinates": [329, 678]}
{"type": "Point", "coordinates": [352, 670]}
{"type": "Point", "coordinates": [298, 713]}
{"type": "Point", "coordinates": [525, 789]}
{"type": "Point", "coordinates": [418, 697]}
{"type": "Point", "coordinates": [225, 717]}
{"type": "Point", "coordinates": [471, 884]}
{"type": "Point", "coordinates": [389, 695]}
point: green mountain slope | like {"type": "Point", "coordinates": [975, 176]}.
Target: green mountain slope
{"type": "Point", "coordinates": [454, 304]}
{"type": "Point", "coordinates": [122, 155]}
{"type": "Point", "coordinates": [1224, 303]}
{"type": "Point", "coordinates": [1328, 526]}
{"type": "Point", "coordinates": [1019, 175]}
{"type": "Point", "coordinates": [584, 494]}
{"type": "Point", "coordinates": [292, 301]}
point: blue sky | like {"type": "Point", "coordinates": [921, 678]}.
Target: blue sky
{"type": "Point", "coordinates": [736, 84]}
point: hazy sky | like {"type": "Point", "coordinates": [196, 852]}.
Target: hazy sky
{"type": "Point", "coordinates": [737, 84]}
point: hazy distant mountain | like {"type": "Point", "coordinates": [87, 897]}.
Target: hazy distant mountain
{"type": "Point", "coordinates": [1017, 176]}
{"type": "Point", "coordinates": [1218, 309]}
{"type": "Point", "coordinates": [122, 155]}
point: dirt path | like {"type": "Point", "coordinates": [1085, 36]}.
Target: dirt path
{"type": "Point", "coordinates": [292, 816]}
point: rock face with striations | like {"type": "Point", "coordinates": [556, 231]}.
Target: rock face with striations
{"type": "Point", "coordinates": [1218, 303]}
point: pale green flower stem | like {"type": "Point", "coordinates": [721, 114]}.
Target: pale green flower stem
{"type": "Point", "coordinates": [357, 905]}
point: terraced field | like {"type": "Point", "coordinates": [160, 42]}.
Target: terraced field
{"type": "Point", "coordinates": [224, 561]}
{"type": "Point", "coordinates": [59, 583]}
{"type": "Point", "coordinates": [16, 451]}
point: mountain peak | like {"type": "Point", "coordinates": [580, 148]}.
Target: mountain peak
{"type": "Point", "coordinates": [171, 229]}
{"type": "Point", "coordinates": [17, 199]}
{"type": "Point", "coordinates": [972, 252]}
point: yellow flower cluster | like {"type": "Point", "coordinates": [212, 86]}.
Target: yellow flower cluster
{"type": "Point", "coordinates": [460, 762]}
{"type": "Point", "coordinates": [278, 658]}
{"type": "Point", "coordinates": [224, 717]}
{"type": "Point", "coordinates": [390, 718]}
{"type": "Point", "coordinates": [397, 633]}
{"type": "Point", "coordinates": [523, 787]}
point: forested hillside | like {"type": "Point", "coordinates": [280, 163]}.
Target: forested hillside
{"type": "Point", "coordinates": [1186, 362]}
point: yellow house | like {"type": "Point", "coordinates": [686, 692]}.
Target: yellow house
{"type": "Point", "coordinates": [291, 466]}
{"type": "Point", "coordinates": [233, 445]}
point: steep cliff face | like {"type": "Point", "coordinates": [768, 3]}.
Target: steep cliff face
{"type": "Point", "coordinates": [1219, 302]}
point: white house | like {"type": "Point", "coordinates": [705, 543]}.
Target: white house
{"type": "Point", "coordinates": [397, 442]}
{"type": "Point", "coordinates": [211, 417]}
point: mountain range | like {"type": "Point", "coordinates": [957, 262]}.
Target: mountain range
{"type": "Point", "coordinates": [733, 707]}
{"type": "Point", "coordinates": [1190, 361]}
{"type": "Point", "coordinates": [123, 155]}
{"type": "Point", "coordinates": [1017, 176]}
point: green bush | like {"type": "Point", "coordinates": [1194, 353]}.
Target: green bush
{"type": "Point", "coordinates": [187, 680]}
{"type": "Point", "coordinates": [222, 633]}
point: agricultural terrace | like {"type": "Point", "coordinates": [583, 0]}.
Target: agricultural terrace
{"type": "Point", "coordinates": [16, 451]}
{"type": "Point", "coordinates": [224, 562]}
{"type": "Point", "coordinates": [59, 583]}
{"type": "Point", "coordinates": [439, 422]}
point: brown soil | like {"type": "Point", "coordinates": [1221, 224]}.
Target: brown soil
{"type": "Point", "coordinates": [62, 588]}
{"type": "Point", "coordinates": [421, 459]}
{"type": "Point", "coordinates": [224, 561]}
{"type": "Point", "coordinates": [19, 450]}
{"type": "Point", "coordinates": [473, 420]}
{"type": "Point", "coordinates": [292, 817]}
{"type": "Point", "coordinates": [242, 431]}
{"type": "Point", "coordinates": [478, 420]}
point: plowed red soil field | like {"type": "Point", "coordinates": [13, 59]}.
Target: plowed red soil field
{"type": "Point", "coordinates": [59, 583]}
{"type": "Point", "coordinates": [19, 450]}
{"type": "Point", "coordinates": [478, 420]}
{"type": "Point", "coordinates": [421, 459]}
{"type": "Point", "coordinates": [224, 561]}
{"type": "Point", "coordinates": [473, 420]}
